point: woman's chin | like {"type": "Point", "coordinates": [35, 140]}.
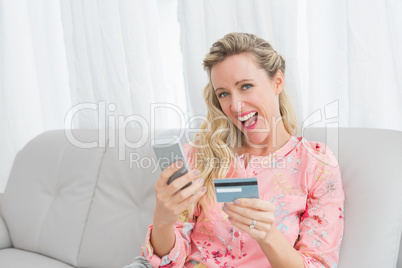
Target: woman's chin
{"type": "Point", "coordinates": [256, 139]}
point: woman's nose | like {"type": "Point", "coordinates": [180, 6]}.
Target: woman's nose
{"type": "Point", "coordinates": [236, 104]}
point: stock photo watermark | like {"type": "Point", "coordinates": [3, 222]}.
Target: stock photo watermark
{"type": "Point", "coordinates": [115, 135]}
{"type": "Point", "coordinates": [154, 163]}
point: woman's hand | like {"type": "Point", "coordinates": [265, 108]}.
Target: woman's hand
{"type": "Point", "coordinates": [170, 199]}
{"type": "Point", "coordinates": [243, 211]}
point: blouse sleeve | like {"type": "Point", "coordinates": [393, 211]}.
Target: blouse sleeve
{"type": "Point", "coordinates": [181, 249]}
{"type": "Point", "coordinates": [322, 222]}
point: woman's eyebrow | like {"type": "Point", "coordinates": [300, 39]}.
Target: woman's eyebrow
{"type": "Point", "coordinates": [241, 81]}
{"type": "Point", "coordinates": [238, 82]}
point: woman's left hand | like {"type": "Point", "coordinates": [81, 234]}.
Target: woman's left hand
{"type": "Point", "coordinates": [243, 211]}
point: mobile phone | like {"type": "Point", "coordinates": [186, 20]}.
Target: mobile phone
{"type": "Point", "coordinates": [168, 151]}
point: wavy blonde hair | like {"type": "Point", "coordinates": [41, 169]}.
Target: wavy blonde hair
{"type": "Point", "coordinates": [218, 134]}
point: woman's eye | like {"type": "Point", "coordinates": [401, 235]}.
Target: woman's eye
{"type": "Point", "coordinates": [247, 86]}
{"type": "Point", "coordinates": [224, 94]}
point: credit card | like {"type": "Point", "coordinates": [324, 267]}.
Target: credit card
{"type": "Point", "coordinates": [228, 190]}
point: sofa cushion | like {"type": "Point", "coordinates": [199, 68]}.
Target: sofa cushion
{"type": "Point", "coordinates": [49, 194]}
{"type": "Point", "coordinates": [370, 164]}
{"type": "Point", "coordinates": [122, 206]}
{"type": "Point", "coordinates": [16, 258]}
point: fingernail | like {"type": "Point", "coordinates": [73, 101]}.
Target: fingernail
{"type": "Point", "coordinates": [179, 163]}
{"type": "Point", "coordinates": [196, 172]}
{"type": "Point", "coordinates": [226, 204]}
{"type": "Point", "coordinates": [224, 208]}
{"type": "Point", "coordinates": [204, 189]}
{"type": "Point", "coordinates": [201, 181]}
{"type": "Point", "coordinates": [236, 202]}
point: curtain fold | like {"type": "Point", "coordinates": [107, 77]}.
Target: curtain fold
{"type": "Point", "coordinates": [374, 61]}
{"type": "Point", "coordinates": [113, 56]}
{"type": "Point", "coordinates": [325, 67]}
{"type": "Point", "coordinates": [34, 91]}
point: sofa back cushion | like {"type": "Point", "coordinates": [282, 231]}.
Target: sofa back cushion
{"type": "Point", "coordinates": [49, 194]}
{"type": "Point", "coordinates": [370, 161]}
{"type": "Point", "coordinates": [91, 207]}
{"type": "Point", "coordinates": [123, 203]}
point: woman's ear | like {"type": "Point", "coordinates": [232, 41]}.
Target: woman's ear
{"type": "Point", "coordinates": [279, 82]}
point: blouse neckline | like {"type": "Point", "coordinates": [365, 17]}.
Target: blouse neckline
{"type": "Point", "coordinates": [283, 151]}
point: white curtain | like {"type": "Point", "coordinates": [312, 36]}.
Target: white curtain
{"type": "Point", "coordinates": [344, 58]}
{"type": "Point", "coordinates": [74, 63]}
{"type": "Point", "coordinates": [101, 57]}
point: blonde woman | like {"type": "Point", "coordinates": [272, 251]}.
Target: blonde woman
{"type": "Point", "coordinates": [296, 222]}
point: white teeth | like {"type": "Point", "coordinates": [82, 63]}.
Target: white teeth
{"type": "Point", "coordinates": [244, 118]}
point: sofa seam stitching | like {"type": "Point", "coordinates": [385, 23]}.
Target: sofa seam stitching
{"type": "Point", "coordinates": [36, 241]}
{"type": "Point", "coordinates": [92, 200]}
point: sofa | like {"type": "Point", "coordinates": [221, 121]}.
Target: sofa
{"type": "Point", "coordinates": [84, 198]}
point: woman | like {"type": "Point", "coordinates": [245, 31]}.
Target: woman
{"type": "Point", "coordinates": [296, 222]}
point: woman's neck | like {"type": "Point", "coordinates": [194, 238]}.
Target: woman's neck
{"type": "Point", "coordinates": [273, 143]}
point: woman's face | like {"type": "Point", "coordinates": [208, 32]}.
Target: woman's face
{"type": "Point", "coordinates": [248, 97]}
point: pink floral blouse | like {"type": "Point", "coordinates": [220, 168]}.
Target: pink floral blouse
{"type": "Point", "coordinates": [302, 179]}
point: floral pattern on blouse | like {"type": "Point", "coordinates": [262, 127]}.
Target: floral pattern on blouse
{"type": "Point", "coordinates": [302, 179]}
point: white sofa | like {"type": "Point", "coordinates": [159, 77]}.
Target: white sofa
{"type": "Point", "coordinates": [66, 206]}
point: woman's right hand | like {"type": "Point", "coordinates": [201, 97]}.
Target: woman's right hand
{"type": "Point", "coordinates": [171, 200]}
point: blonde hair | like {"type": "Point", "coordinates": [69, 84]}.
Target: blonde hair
{"type": "Point", "coordinates": [218, 134]}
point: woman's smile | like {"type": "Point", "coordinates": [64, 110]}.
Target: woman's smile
{"type": "Point", "coordinates": [248, 119]}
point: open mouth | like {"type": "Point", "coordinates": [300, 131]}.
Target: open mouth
{"type": "Point", "coordinates": [250, 120]}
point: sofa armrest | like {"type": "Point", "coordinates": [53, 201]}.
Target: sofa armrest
{"type": "Point", "coordinates": [5, 240]}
